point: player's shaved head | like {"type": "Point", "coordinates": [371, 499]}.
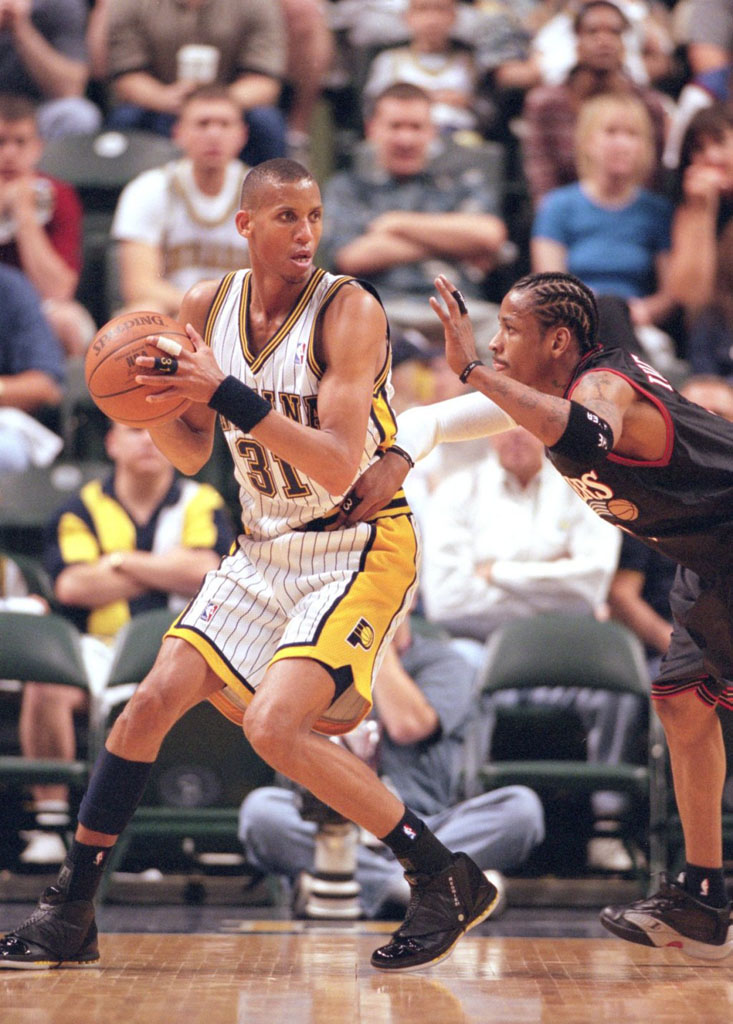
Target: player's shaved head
{"type": "Point", "coordinates": [271, 174]}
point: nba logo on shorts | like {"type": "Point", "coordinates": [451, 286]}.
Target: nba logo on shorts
{"type": "Point", "coordinates": [409, 832]}
{"type": "Point", "coordinates": [362, 635]}
{"type": "Point", "coordinates": [209, 612]}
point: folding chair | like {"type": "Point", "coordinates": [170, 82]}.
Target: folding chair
{"type": "Point", "coordinates": [581, 652]}
{"type": "Point", "coordinates": [204, 769]}
{"type": "Point", "coordinates": [45, 649]}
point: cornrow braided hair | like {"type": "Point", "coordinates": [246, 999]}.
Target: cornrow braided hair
{"type": "Point", "coordinates": [561, 299]}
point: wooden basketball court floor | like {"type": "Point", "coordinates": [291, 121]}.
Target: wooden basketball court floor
{"type": "Point", "coordinates": [287, 972]}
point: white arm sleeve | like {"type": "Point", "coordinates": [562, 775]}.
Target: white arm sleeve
{"type": "Point", "coordinates": [464, 418]}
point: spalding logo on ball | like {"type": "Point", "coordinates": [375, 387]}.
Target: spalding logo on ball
{"type": "Point", "coordinates": [110, 368]}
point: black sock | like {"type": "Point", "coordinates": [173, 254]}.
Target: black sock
{"type": "Point", "coordinates": [82, 870]}
{"type": "Point", "coordinates": [415, 846]}
{"type": "Point", "coordinates": [706, 884]}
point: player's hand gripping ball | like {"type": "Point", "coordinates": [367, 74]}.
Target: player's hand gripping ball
{"type": "Point", "coordinates": [110, 367]}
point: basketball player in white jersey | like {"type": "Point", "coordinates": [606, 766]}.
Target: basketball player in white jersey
{"type": "Point", "coordinates": [288, 632]}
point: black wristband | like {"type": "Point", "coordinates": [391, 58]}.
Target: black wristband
{"type": "Point", "coordinates": [402, 453]}
{"type": "Point", "coordinates": [587, 438]}
{"type": "Point", "coordinates": [239, 403]}
{"type": "Point", "coordinates": [463, 376]}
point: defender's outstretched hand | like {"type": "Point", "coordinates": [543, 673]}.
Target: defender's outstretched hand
{"type": "Point", "coordinates": [460, 343]}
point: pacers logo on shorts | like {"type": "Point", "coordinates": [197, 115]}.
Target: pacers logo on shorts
{"type": "Point", "coordinates": [362, 635]}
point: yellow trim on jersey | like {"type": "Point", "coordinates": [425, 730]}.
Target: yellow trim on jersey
{"type": "Point", "coordinates": [384, 418]}
{"type": "Point", "coordinates": [317, 368]}
{"type": "Point", "coordinates": [255, 360]}
{"type": "Point", "coordinates": [397, 506]}
{"type": "Point", "coordinates": [212, 657]}
{"type": "Point", "coordinates": [383, 374]}
{"type": "Point", "coordinates": [221, 294]}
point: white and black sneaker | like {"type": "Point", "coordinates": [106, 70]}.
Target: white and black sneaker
{"type": "Point", "coordinates": [673, 918]}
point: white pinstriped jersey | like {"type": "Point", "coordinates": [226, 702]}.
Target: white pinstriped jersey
{"type": "Point", "coordinates": [275, 497]}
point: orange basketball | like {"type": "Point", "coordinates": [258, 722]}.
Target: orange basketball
{"type": "Point", "coordinates": [110, 368]}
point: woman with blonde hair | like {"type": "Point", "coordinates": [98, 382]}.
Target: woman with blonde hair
{"type": "Point", "coordinates": [608, 228]}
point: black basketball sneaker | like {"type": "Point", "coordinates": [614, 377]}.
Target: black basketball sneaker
{"type": "Point", "coordinates": [442, 908]}
{"type": "Point", "coordinates": [59, 933]}
{"type": "Point", "coordinates": [673, 918]}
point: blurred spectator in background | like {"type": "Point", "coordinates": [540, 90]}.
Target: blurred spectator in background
{"type": "Point", "coordinates": [493, 33]}
{"type": "Point", "coordinates": [551, 111]}
{"type": "Point", "coordinates": [139, 540]}
{"type": "Point", "coordinates": [43, 57]}
{"type": "Point", "coordinates": [423, 723]}
{"type": "Point", "coordinates": [397, 223]}
{"type": "Point", "coordinates": [174, 225]}
{"type": "Point", "coordinates": [434, 61]}
{"type": "Point", "coordinates": [310, 56]}
{"type": "Point", "coordinates": [412, 356]}
{"type": "Point", "coordinates": [159, 51]}
{"type": "Point", "coordinates": [608, 229]}
{"type": "Point", "coordinates": [711, 392]}
{"type": "Point", "coordinates": [31, 369]}
{"type": "Point", "coordinates": [41, 225]}
{"type": "Point", "coordinates": [506, 538]}
{"type": "Point", "coordinates": [708, 37]}
{"type": "Point", "coordinates": [648, 41]}
{"type": "Point", "coordinates": [701, 258]}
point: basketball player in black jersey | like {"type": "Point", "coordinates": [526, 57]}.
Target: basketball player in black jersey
{"type": "Point", "coordinates": [656, 465]}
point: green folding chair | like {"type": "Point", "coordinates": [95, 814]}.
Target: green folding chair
{"type": "Point", "coordinates": [581, 652]}
{"type": "Point", "coordinates": [203, 772]}
{"type": "Point", "coordinates": [44, 649]}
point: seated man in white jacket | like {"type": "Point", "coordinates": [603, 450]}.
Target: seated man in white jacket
{"type": "Point", "coordinates": [506, 538]}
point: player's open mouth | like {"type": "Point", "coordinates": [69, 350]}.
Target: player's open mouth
{"type": "Point", "coordinates": [302, 258]}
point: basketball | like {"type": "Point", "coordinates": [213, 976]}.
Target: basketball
{"type": "Point", "coordinates": [110, 368]}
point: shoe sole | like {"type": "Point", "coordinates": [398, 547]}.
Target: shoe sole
{"type": "Point", "coordinates": [46, 965]}
{"type": "Point", "coordinates": [486, 912]}
{"type": "Point", "coordinates": [667, 938]}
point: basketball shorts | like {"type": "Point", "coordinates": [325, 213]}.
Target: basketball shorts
{"type": "Point", "coordinates": [335, 597]}
{"type": "Point", "coordinates": [701, 664]}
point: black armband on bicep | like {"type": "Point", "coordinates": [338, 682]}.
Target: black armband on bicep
{"type": "Point", "coordinates": [239, 403]}
{"type": "Point", "coordinates": [587, 437]}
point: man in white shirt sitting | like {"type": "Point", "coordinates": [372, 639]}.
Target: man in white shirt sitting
{"type": "Point", "coordinates": [174, 225]}
{"type": "Point", "coordinates": [507, 537]}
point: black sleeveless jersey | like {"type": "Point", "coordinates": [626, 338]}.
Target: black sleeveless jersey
{"type": "Point", "coordinates": [681, 504]}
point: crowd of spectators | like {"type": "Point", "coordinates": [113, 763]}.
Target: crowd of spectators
{"type": "Point", "coordinates": [477, 139]}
